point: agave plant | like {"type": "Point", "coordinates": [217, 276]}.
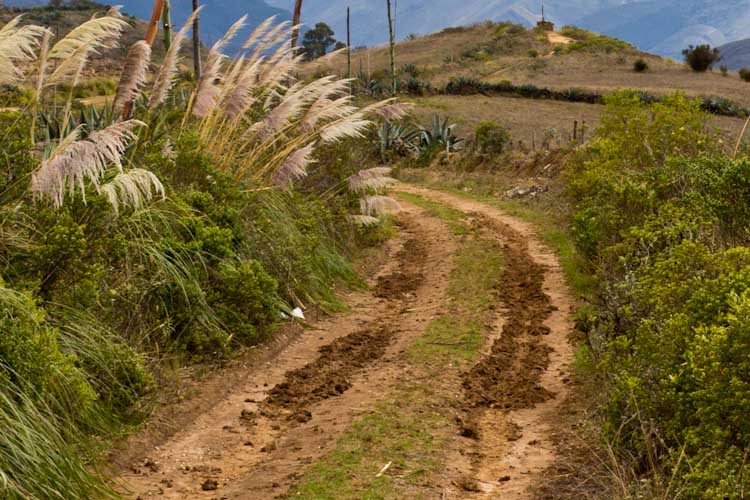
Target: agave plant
{"type": "Point", "coordinates": [441, 135]}
{"type": "Point", "coordinates": [400, 138]}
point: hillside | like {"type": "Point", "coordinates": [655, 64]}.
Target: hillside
{"type": "Point", "coordinates": [216, 17]}
{"type": "Point", "coordinates": [663, 27]}
{"type": "Point", "coordinates": [502, 52]}
{"type": "Point", "coordinates": [62, 20]}
{"type": "Point", "coordinates": [736, 55]}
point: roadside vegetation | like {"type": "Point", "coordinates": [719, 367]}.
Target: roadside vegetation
{"type": "Point", "coordinates": [179, 223]}
{"type": "Point", "coordinates": [650, 220]}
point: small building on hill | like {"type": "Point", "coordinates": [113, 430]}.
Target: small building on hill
{"type": "Point", "coordinates": [544, 24]}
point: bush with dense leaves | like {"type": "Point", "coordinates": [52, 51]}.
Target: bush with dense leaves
{"type": "Point", "coordinates": [491, 138]}
{"type": "Point", "coordinates": [701, 58]}
{"type": "Point", "coordinates": [663, 215]}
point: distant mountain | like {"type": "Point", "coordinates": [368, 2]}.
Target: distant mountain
{"type": "Point", "coordinates": [736, 55]}
{"type": "Point", "coordinates": [663, 27]}
{"type": "Point", "coordinates": [216, 16]}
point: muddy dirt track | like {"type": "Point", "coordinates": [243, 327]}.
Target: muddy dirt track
{"type": "Point", "coordinates": [290, 406]}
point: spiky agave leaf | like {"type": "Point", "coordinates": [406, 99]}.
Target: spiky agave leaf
{"type": "Point", "coordinates": [371, 179]}
{"type": "Point", "coordinates": [132, 189]}
{"type": "Point", "coordinates": [133, 73]}
{"type": "Point", "coordinates": [295, 167]}
{"type": "Point", "coordinates": [17, 44]}
{"type": "Point", "coordinates": [364, 220]}
{"type": "Point", "coordinates": [77, 161]}
{"type": "Point", "coordinates": [378, 205]}
{"type": "Point", "coordinates": [168, 72]}
{"type": "Point", "coordinates": [207, 92]}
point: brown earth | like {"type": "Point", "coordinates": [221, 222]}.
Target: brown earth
{"type": "Point", "coordinates": [289, 409]}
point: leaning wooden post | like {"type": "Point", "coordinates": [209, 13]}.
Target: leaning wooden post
{"type": "Point", "coordinates": [296, 20]}
{"type": "Point", "coordinates": [348, 43]}
{"type": "Point", "coordinates": [151, 31]}
{"type": "Point", "coordinates": [196, 42]}
{"type": "Point", "coordinates": [393, 48]}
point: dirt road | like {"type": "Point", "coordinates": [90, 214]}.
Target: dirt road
{"type": "Point", "coordinates": [438, 383]}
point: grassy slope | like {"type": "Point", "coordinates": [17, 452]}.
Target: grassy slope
{"type": "Point", "coordinates": [439, 58]}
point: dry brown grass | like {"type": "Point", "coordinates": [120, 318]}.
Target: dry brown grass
{"type": "Point", "coordinates": [523, 117]}
{"type": "Point", "coordinates": [439, 57]}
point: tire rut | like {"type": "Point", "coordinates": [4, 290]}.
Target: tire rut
{"type": "Point", "coordinates": [506, 436]}
{"type": "Point", "coordinates": [261, 438]}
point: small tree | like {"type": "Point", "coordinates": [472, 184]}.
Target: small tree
{"type": "Point", "coordinates": [745, 74]}
{"type": "Point", "coordinates": [701, 58]}
{"type": "Point", "coordinates": [639, 66]}
{"type": "Point", "coordinates": [318, 40]}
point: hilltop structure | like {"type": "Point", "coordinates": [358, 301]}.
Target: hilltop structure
{"type": "Point", "coordinates": [545, 25]}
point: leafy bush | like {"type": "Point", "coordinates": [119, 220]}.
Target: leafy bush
{"type": "Point", "coordinates": [491, 138]}
{"type": "Point", "coordinates": [724, 70]}
{"type": "Point", "coordinates": [640, 66]}
{"type": "Point", "coordinates": [701, 58]}
{"type": "Point", "coordinates": [745, 74]}
{"type": "Point", "coordinates": [662, 213]}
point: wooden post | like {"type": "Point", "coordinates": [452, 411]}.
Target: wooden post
{"type": "Point", "coordinates": [153, 24]}
{"type": "Point", "coordinates": [348, 43]}
{"type": "Point", "coordinates": [393, 48]}
{"type": "Point", "coordinates": [196, 43]}
{"type": "Point", "coordinates": [575, 130]}
{"type": "Point", "coordinates": [151, 31]}
{"type": "Point", "coordinates": [533, 140]}
{"type": "Point", "coordinates": [166, 22]}
{"type": "Point", "coordinates": [296, 20]}
{"type": "Point", "coordinates": [583, 132]}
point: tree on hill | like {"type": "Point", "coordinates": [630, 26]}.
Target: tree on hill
{"type": "Point", "coordinates": [701, 58]}
{"type": "Point", "coordinates": [317, 41]}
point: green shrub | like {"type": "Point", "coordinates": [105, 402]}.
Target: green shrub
{"type": "Point", "coordinates": [701, 58]}
{"type": "Point", "coordinates": [491, 138]}
{"type": "Point", "coordinates": [724, 70]}
{"type": "Point", "coordinates": [640, 66]}
{"type": "Point", "coordinates": [533, 53]}
{"type": "Point", "coordinates": [663, 214]}
{"type": "Point", "coordinates": [744, 74]}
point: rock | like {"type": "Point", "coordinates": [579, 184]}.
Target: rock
{"type": "Point", "coordinates": [210, 485]}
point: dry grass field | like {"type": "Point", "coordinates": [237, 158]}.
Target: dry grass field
{"type": "Point", "coordinates": [529, 57]}
{"type": "Point", "coordinates": [526, 117]}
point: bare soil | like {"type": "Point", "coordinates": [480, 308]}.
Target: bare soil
{"type": "Point", "coordinates": [289, 409]}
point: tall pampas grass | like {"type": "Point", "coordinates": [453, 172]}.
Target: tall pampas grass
{"type": "Point", "coordinates": [208, 91]}
{"type": "Point", "coordinates": [96, 33]}
{"type": "Point", "coordinates": [76, 162]}
{"type": "Point", "coordinates": [133, 74]}
{"type": "Point", "coordinates": [372, 179]}
{"type": "Point", "coordinates": [378, 205]}
{"type": "Point", "coordinates": [166, 75]}
{"type": "Point", "coordinates": [295, 167]}
{"type": "Point", "coordinates": [18, 44]}
{"type": "Point", "coordinates": [132, 189]}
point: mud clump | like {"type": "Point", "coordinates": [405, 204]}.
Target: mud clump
{"type": "Point", "coordinates": [509, 377]}
{"type": "Point", "coordinates": [329, 375]}
{"type": "Point", "coordinates": [404, 282]}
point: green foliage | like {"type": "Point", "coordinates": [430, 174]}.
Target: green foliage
{"type": "Point", "coordinates": [640, 66]}
{"type": "Point", "coordinates": [701, 58]}
{"type": "Point", "coordinates": [662, 213]}
{"type": "Point", "coordinates": [317, 41]}
{"type": "Point", "coordinates": [491, 138]}
{"type": "Point", "coordinates": [744, 74]}
{"type": "Point", "coordinates": [589, 41]}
